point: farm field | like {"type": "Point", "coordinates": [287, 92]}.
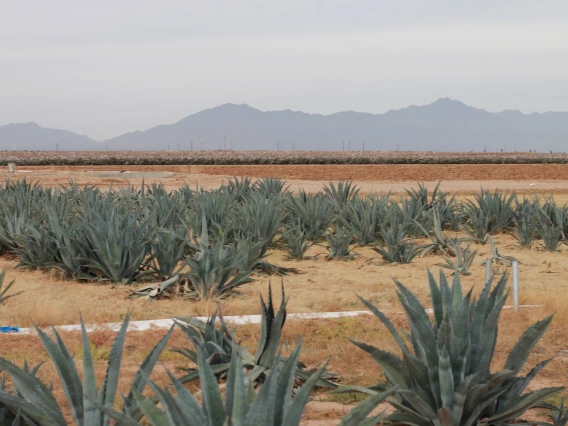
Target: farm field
{"type": "Point", "coordinates": [319, 285]}
{"type": "Point", "coordinates": [458, 179]}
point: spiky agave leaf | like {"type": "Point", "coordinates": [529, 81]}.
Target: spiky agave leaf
{"type": "Point", "coordinates": [3, 291]}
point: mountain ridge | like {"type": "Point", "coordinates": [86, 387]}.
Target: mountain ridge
{"type": "Point", "coordinates": [443, 125]}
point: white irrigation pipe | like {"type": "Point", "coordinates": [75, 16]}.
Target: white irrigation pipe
{"type": "Point", "coordinates": [241, 319]}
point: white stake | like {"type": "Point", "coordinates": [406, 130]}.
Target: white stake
{"type": "Point", "coordinates": [515, 285]}
{"type": "Point", "coordinates": [488, 267]}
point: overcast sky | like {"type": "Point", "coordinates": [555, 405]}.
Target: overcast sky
{"type": "Point", "coordinates": [103, 68]}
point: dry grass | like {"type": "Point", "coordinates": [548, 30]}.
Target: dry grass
{"type": "Point", "coordinates": [320, 286]}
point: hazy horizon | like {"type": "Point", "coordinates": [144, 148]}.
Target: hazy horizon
{"type": "Point", "coordinates": [104, 68]}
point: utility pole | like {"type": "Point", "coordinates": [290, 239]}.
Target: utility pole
{"type": "Point", "coordinates": [201, 146]}
{"type": "Point", "coordinates": [57, 146]}
{"type": "Point", "coordinates": [231, 144]}
{"type": "Point", "coordinates": [225, 145]}
{"type": "Point", "coordinates": [343, 145]}
{"type": "Point", "coordinates": [192, 145]}
{"type": "Point", "coordinates": [349, 146]}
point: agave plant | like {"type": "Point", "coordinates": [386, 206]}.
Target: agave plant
{"type": "Point", "coordinates": [3, 292]}
{"type": "Point", "coordinates": [168, 248]}
{"type": "Point", "coordinates": [444, 378]}
{"type": "Point", "coordinates": [297, 241]}
{"type": "Point", "coordinates": [363, 217]}
{"type": "Point", "coordinates": [314, 214]}
{"type": "Point", "coordinates": [339, 242]}
{"type": "Point", "coordinates": [341, 194]}
{"type": "Point", "coordinates": [438, 242]}
{"type": "Point", "coordinates": [463, 260]}
{"type": "Point", "coordinates": [214, 272]}
{"type": "Point", "coordinates": [31, 402]}
{"type": "Point", "coordinates": [216, 344]}
{"type": "Point", "coordinates": [271, 187]}
{"type": "Point", "coordinates": [239, 189]}
{"type": "Point", "coordinates": [550, 233]}
{"type": "Point", "coordinates": [240, 404]}
{"type": "Point", "coordinates": [117, 245]}
{"type": "Point", "coordinates": [526, 230]}
{"type": "Point", "coordinates": [397, 248]}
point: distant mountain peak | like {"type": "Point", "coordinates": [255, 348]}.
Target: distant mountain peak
{"type": "Point", "coordinates": [448, 102]}
{"type": "Point", "coordinates": [235, 106]}
{"type": "Point", "coordinates": [28, 124]}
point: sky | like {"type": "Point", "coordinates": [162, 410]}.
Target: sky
{"type": "Point", "coordinates": [103, 68]}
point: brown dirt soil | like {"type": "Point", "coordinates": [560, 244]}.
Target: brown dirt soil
{"type": "Point", "coordinates": [396, 173]}
{"type": "Point", "coordinates": [464, 179]}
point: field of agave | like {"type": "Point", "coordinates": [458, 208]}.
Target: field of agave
{"type": "Point", "coordinates": [206, 244]}
{"type": "Point", "coordinates": [102, 158]}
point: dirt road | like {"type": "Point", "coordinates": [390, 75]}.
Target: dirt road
{"type": "Point", "coordinates": [550, 178]}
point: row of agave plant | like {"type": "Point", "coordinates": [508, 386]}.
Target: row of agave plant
{"type": "Point", "coordinates": [442, 377]}
{"type": "Point", "coordinates": [208, 243]}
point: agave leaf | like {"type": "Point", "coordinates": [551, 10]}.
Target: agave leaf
{"type": "Point", "coordinates": [212, 400]}
{"type": "Point", "coordinates": [391, 365]}
{"type": "Point", "coordinates": [187, 401]}
{"type": "Point", "coordinates": [358, 414]}
{"type": "Point", "coordinates": [460, 396]}
{"type": "Point", "coordinates": [66, 370]}
{"type": "Point", "coordinates": [107, 392]}
{"type": "Point", "coordinates": [489, 335]}
{"type": "Point", "coordinates": [139, 382]}
{"type": "Point", "coordinates": [235, 395]}
{"type": "Point", "coordinates": [30, 410]}
{"type": "Point", "coordinates": [518, 356]}
{"type": "Point", "coordinates": [524, 403]}
{"type": "Point", "coordinates": [263, 405]}
{"type": "Point", "coordinates": [446, 379]}
{"type": "Point", "coordinates": [383, 318]}
{"type": "Point", "coordinates": [285, 384]}
{"type": "Point", "coordinates": [152, 413]}
{"type": "Point", "coordinates": [418, 404]}
{"type": "Point", "coordinates": [437, 303]}
{"type": "Point", "coordinates": [351, 389]}
{"type": "Point", "coordinates": [446, 337]}
{"type": "Point", "coordinates": [445, 417]}
{"type": "Point", "coordinates": [416, 369]}
{"type": "Point", "coordinates": [294, 413]}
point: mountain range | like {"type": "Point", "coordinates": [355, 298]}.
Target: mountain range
{"type": "Point", "coordinates": [444, 125]}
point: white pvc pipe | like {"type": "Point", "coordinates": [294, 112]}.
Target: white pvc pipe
{"type": "Point", "coordinates": [161, 324]}
{"type": "Point", "coordinates": [515, 285]}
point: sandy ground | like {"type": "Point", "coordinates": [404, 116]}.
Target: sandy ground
{"type": "Point", "coordinates": [551, 178]}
